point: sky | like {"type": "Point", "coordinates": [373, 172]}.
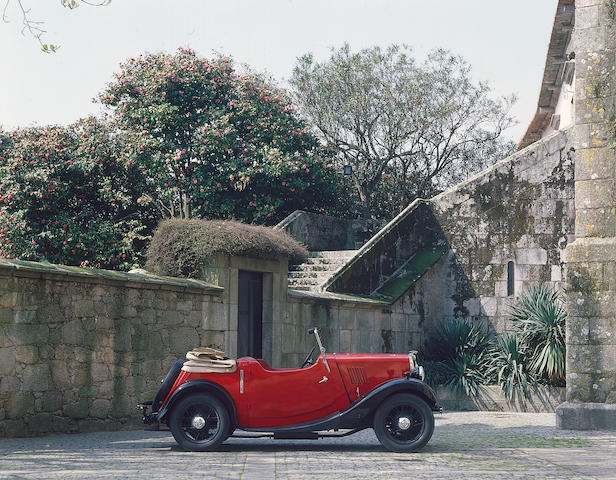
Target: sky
{"type": "Point", "coordinates": [505, 42]}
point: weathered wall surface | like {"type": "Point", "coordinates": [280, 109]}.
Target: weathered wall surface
{"type": "Point", "coordinates": [223, 271]}
{"type": "Point", "coordinates": [78, 350]}
{"type": "Point", "coordinates": [322, 232]}
{"type": "Point", "coordinates": [348, 326]}
{"type": "Point", "coordinates": [521, 211]}
{"type": "Point", "coordinates": [591, 259]}
{"type": "Point", "coordinates": [412, 231]}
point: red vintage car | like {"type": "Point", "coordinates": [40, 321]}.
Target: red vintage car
{"type": "Point", "coordinates": [206, 398]}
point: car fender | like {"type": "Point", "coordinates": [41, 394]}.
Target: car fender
{"type": "Point", "coordinates": [402, 385]}
{"type": "Point", "coordinates": [360, 414]}
{"type": "Point", "coordinates": [198, 386]}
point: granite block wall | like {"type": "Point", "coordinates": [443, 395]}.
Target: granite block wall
{"type": "Point", "coordinates": [79, 349]}
{"type": "Point", "coordinates": [591, 259]}
{"type": "Point", "coordinates": [520, 211]}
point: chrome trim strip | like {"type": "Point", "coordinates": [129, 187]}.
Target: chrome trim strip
{"type": "Point", "coordinates": [241, 381]}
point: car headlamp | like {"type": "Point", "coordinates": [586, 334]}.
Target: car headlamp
{"type": "Point", "coordinates": [418, 372]}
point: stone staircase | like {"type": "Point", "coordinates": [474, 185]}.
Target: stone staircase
{"type": "Point", "coordinates": [317, 268]}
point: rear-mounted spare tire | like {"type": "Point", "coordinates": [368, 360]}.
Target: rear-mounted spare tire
{"type": "Point", "coordinates": [168, 382]}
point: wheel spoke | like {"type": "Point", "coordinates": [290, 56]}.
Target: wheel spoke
{"type": "Point", "coordinates": [408, 414]}
{"type": "Point", "coordinates": [212, 422]}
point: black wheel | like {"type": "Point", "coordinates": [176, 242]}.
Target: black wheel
{"type": "Point", "coordinates": [404, 423]}
{"type": "Point", "coordinates": [199, 423]}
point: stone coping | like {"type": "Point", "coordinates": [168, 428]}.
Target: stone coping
{"type": "Point", "coordinates": [337, 297]}
{"type": "Point", "coordinates": [373, 241]}
{"type": "Point", "coordinates": [48, 270]}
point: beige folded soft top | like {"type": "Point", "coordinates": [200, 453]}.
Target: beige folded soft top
{"type": "Point", "coordinates": [208, 360]}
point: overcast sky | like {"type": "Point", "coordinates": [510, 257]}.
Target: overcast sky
{"type": "Point", "coordinates": [505, 42]}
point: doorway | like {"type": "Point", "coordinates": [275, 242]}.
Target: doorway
{"type": "Point", "coordinates": [250, 314]}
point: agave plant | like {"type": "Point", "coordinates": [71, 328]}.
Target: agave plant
{"type": "Point", "coordinates": [510, 366]}
{"type": "Point", "coordinates": [456, 354]}
{"type": "Point", "coordinates": [540, 317]}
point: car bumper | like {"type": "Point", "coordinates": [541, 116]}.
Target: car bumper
{"type": "Point", "coordinates": [148, 418]}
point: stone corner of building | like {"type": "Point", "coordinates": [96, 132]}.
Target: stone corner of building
{"type": "Point", "coordinates": [586, 416]}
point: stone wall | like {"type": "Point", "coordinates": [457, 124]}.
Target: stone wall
{"type": "Point", "coordinates": [79, 348]}
{"type": "Point", "coordinates": [543, 399]}
{"type": "Point", "coordinates": [522, 211]}
{"type": "Point", "coordinates": [322, 232]}
{"type": "Point", "coordinates": [348, 325]}
{"type": "Point", "coordinates": [412, 231]}
{"type": "Point", "coordinates": [591, 259]}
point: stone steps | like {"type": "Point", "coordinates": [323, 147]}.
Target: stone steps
{"type": "Point", "coordinates": [317, 268]}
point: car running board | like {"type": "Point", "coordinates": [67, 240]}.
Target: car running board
{"type": "Point", "coordinates": [298, 435]}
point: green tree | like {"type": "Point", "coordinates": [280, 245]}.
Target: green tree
{"type": "Point", "coordinates": [408, 129]}
{"type": "Point", "coordinates": [215, 143]}
{"type": "Point", "coordinates": [65, 197]}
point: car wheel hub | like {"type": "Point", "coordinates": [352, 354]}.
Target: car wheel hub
{"type": "Point", "coordinates": [197, 422]}
{"type": "Point", "coordinates": [404, 423]}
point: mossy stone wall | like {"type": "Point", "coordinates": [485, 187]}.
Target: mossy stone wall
{"type": "Point", "coordinates": [591, 259]}
{"type": "Point", "coordinates": [79, 349]}
{"type": "Point", "coordinates": [521, 211]}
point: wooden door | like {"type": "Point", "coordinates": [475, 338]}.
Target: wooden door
{"type": "Point", "coordinates": [250, 314]}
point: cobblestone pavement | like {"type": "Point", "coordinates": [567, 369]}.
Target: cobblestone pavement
{"type": "Point", "coordinates": [469, 445]}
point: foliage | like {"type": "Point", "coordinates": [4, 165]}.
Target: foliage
{"type": "Point", "coordinates": [455, 354]}
{"type": "Point", "coordinates": [408, 129]}
{"type": "Point", "coordinates": [65, 198]}
{"type": "Point", "coordinates": [541, 317]}
{"type": "Point", "coordinates": [183, 247]}
{"type": "Point", "coordinates": [215, 143]}
{"type": "Point", "coordinates": [510, 364]}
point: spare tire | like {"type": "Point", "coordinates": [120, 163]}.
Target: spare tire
{"type": "Point", "coordinates": [168, 382]}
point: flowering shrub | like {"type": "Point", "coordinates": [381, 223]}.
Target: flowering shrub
{"type": "Point", "coordinates": [214, 143]}
{"type": "Point", "coordinates": [65, 198]}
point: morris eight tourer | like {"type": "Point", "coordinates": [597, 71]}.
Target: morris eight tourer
{"type": "Point", "coordinates": [206, 398]}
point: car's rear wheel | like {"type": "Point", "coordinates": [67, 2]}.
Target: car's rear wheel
{"type": "Point", "coordinates": [404, 423]}
{"type": "Point", "coordinates": [199, 423]}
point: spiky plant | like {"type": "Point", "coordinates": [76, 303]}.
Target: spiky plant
{"type": "Point", "coordinates": [456, 355]}
{"type": "Point", "coordinates": [540, 317]}
{"type": "Point", "coordinates": [511, 368]}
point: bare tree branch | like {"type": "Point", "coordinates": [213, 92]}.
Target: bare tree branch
{"type": "Point", "coordinates": [35, 28]}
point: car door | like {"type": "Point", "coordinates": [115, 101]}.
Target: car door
{"type": "Point", "coordinates": [279, 397]}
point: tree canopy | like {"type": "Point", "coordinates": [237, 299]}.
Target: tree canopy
{"type": "Point", "coordinates": [65, 197]}
{"type": "Point", "coordinates": [408, 129]}
{"type": "Point", "coordinates": [215, 143]}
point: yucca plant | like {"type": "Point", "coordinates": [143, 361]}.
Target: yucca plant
{"type": "Point", "coordinates": [456, 354]}
{"type": "Point", "coordinates": [510, 367]}
{"type": "Point", "coordinates": [540, 317]}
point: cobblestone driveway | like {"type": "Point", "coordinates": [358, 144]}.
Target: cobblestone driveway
{"type": "Point", "coordinates": [465, 445]}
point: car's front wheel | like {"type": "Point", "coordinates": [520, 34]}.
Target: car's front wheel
{"type": "Point", "coordinates": [199, 423]}
{"type": "Point", "coordinates": [404, 423]}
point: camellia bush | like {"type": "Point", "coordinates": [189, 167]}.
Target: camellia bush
{"type": "Point", "coordinates": [215, 143]}
{"type": "Point", "coordinates": [65, 197]}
